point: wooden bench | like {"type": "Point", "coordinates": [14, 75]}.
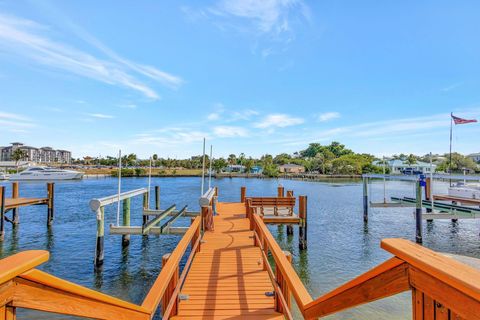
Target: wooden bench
{"type": "Point", "coordinates": [273, 202]}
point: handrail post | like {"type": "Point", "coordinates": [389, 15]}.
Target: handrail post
{"type": "Point", "coordinates": [195, 237]}
{"type": "Point", "coordinates": [282, 283]}
{"type": "Point", "coordinates": [171, 287]}
{"type": "Point", "coordinates": [2, 212]}
{"type": "Point", "coordinates": [15, 213]}
{"type": "Point", "coordinates": [126, 220]}
{"type": "Point", "coordinates": [99, 252]}
{"type": "Point", "coordinates": [243, 192]}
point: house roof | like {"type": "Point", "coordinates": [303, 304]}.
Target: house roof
{"type": "Point", "coordinates": [400, 163]}
{"type": "Point", "coordinates": [290, 165]}
{"type": "Point", "coordinates": [477, 154]}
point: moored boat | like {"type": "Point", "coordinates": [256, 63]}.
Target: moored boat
{"type": "Point", "coordinates": [46, 173]}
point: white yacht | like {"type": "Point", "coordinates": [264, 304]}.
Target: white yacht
{"type": "Point", "coordinates": [4, 176]}
{"type": "Point", "coordinates": [46, 173]}
{"type": "Point", "coordinates": [463, 190]}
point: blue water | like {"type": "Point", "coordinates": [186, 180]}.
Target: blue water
{"type": "Point", "coordinates": [340, 246]}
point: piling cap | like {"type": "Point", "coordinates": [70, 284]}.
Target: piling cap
{"type": "Point", "coordinates": [95, 204]}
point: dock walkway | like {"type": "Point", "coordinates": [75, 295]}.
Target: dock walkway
{"type": "Point", "coordinates": [227, 279]}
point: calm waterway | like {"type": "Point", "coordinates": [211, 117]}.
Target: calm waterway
{"type": "Point", "coordinates": [340, 246]}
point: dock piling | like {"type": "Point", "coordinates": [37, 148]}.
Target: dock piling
{"type": "Point", "coordinates": [15, 213]}
{"type": "Point", "coordinates": [145, 207]}
{"type": "Point", "coordinates": [302, 229]}
{"type": "Point", "coordinates": [99, 253]}
{"type": "Point", "coordinates": [418, 212]}
{"type": "Point", "coordinates": [50, 205]}
{"type": "Point", "coordinates": [365, 199]}
{"type": "Point", "coordinates": [243, 192]}
{"type": "Point", "coordinates": [280, 191]}
{"type": "Point", "coordinates": [289, 226]}
{"type": "Point", "coordinates": [126, 220]}
{"type": "Point", "coordinates": [157, 197]}
{"type": "Point", "coordinates": [428, 191]}
{"type": "Point", "coordinates": [2, 212]}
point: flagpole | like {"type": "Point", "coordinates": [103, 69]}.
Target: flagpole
{"type": "Point", "coordinates": [450, 161]}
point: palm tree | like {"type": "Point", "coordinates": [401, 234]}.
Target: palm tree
{"type": "Point", "coordinates": [18, 155]}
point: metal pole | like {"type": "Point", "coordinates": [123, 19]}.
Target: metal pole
{"type": "Point", "coordinates": [365, 199]}
{"type": "Point", "coordinates": [149, 181]}
{"type": "Point", "coordinates": [119, 185]}
{"type": "Point", "coordinates": [210, 169]}
{"type": "Point", "coordinates": [418, 212]}
{"type": "Point", "coordinates": [431, 181]}
{"type": "Point", "coordinates": [203, 168]}
{"type": "Point", "coordinates": [384, 183]}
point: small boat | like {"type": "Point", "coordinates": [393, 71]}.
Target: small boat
{"type": "Point", "coordinates": [4, 176]}
{"type": "Point", "coordinates": [46, 173]}
{"type": "Point", "coordinates": [463, 190]}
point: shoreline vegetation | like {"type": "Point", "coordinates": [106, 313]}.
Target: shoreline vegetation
{"type": "Point", "coordinates": [316, 161]}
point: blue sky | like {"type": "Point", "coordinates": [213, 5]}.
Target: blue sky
{"type": "Point", "coordinates": [250, 76]}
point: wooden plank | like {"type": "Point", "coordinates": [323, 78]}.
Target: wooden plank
{"type": "Point", "coordinates": [453, 273]}
{"type": "Point", "coordinates": [438, 291]}
{"type": "Point", "coordinates": [385, 280]}
{"type": "Point", "coordinates": [30, 295]}
{"type": "Point", "coordinates": [226, 279]}
{"type": "Point", "coordinates": [47, 280]}
{"type": "Point", "coordinates": [417, 304]}
{"type": "Point", "coordinates": [11, 203]}
{"type": "Point", "coordinates": [121, 230]}
{"type": "Point", "coordinates": [161, 283]}
{"type": "Point", "coordinates": [17, 264]}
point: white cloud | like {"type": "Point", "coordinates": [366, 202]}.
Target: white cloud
{"type": "Point", "coordinates": [128, 106]}
{"type": "Point", "coordinates": [28, 38]}
{"type": "Point", "coordinates": [327, 116]}
{"type": "Point", "coordinates": [268, 16]}
{"type": "Point", "coordinates": [278, 120]}
{"type": "Point", "coordinates": [213, 116]}
{"type": "Point", "coordinates": [100, 115]}
{"type": "Point", "coordinates": [170, 136]}
{"type": "Point", "coordinates": [230, 131]}
{"type": "Point", "coordinates": [452, 86]}
{"type": "Point", "coordinates": [15, 123]}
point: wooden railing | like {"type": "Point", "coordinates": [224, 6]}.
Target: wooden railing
{"type": "Point", "coordinates": [442, 288]}
{"type": "Point", "coordinates": [23, 286]}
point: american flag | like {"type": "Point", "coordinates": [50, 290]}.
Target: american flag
{"type": "Point", "coordinates": [458, 120]}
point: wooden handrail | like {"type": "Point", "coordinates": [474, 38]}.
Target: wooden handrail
{"type": "Point", "coordinates": [300, 293]}
{"type": "Point", "coordinates": [454, 273]}
{"type": "Point", "coordinates": [19, 263]}
{"type": "Point", "coordinates": [158, 289]}
{"type": "Point", "coordinates": [386, 279]}
{"type": "Point", "coordinates": [50, 281]}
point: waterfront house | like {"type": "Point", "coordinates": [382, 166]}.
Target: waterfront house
{"type": "Point", "coordinates": [235, 168]}
{"type": "Point", "coordinates": [398, 166]}
{"type": "Point", "coordinates": [256, 170]}
{"type": "Point", "coordinates": [475, 157]}
{"type": "Point", "coordinates": [291, 168]}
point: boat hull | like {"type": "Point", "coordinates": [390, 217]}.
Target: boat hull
{"type": "Point", "coordinates": [47, 176]}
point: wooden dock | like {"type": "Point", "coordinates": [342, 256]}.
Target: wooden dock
{"type": "Point", "coordinates": [228, 274]}
{"type": "Point", "coordinates": [227, 279]}
{"type": "Point", "coordinates": [16, 202]}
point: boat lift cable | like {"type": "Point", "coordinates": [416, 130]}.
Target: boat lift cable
{"type": "Point", "coordinates": [203, 168]}
{"type": "Point", "coordinates": [119, 185]}
{"type": "Point", "coordinates": [210, 169]}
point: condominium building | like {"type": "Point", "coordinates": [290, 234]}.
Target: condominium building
{"type": "Point", "coordinates": [39, 155]}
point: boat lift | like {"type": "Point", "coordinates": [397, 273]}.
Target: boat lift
{"type": "Point", "coordinates": [436, 208]}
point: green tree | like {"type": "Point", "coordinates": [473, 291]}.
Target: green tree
{"type": "Point", "coordinates": [249, 163]}
{"type": "Point", "coordinates": [282, 158]}
{"type": "Point", "coordinates": [411, 159]}
{"type": "Point", "coordinates": [18, 155]}
{"type": "Point", "coordinates": [312, 150]}
{"type": "Point", "coordinates": [232, 159]}
{"type": "Point", "coordinates": [219, 164]}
